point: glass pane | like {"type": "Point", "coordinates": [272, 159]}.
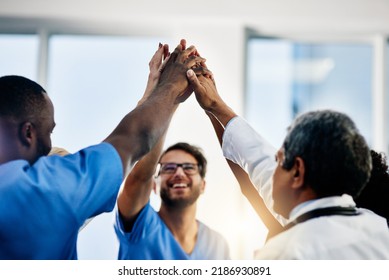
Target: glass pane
{"type": "Point", "coordinates": [93, 82]}
{"type": "Point", "coordinates": [387, 94]}
{"type": "Point", "coordinates": [269, 80]}
{"type": "Point", "coordinates": [19, 55]}
{"type": "Point", "coordinates": [288, 78]}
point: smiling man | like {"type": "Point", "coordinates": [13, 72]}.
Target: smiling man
{"type": "Point", "coordinates": [173, 232]}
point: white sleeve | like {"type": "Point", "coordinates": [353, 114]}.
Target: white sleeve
{"type": "Point", "coordinates": [244, 146]}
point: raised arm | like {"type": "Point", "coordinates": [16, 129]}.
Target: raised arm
{"type": "Point", "coordinates": [241, 143]}
{"type": "Point", "coordinates": [139, 130]}
{"type": "Point", "coordinates": [139, 182]}
{"type": "Point", "coordinates": [247, 187]}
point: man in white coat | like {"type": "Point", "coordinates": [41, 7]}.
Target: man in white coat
{"type": "Point", "coordinates": [323, 163]}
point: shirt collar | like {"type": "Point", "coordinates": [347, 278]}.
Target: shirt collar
{"type": "Point", "coordinates": [344, 200]}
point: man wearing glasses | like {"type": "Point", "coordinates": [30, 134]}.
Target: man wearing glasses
{"type": "Point", "coordinates": [173, 232]}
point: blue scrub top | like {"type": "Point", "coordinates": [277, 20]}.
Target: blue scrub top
{"type": "Point", "coordinates": [151, 239]}
{"type": "Point", "coordinates": [42, 206]}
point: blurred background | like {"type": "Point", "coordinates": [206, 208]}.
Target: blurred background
{"type": "Point", "coordinates": [272, 60]}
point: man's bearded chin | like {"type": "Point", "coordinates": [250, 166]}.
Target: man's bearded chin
{"type": "Point", "coordinates": [178, 203]}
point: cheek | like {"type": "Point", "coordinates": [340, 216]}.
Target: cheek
{"type": "Point", "coordinates": [197, 181]}
{"type": "Point", "coordinates": [278, 183]}
{"type": "Point", "coordinates": [278, 193]}
{"type": "Point", "coordinates": [47, 144]}
{"type": "Point", "coordinates": [276, 188]}
{"type": "Point", "coordinates": [43, 144]}
{"type": "Point", "coordinates": [161, 181]}
{"type": "Point", "coordinates": [276, 179]}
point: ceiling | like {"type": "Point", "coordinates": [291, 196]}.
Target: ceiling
{"type": "Point", "coordinates": [276, 17]}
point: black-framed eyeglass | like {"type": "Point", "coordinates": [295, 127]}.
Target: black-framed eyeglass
{"type": "Point", "coordinates": [171, 167]}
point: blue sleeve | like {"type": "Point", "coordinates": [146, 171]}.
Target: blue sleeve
{"type": "Point", "coordinates": [88, 181]}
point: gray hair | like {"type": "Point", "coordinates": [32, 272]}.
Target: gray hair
{"type": "Point", "coordinates": [336, 156]}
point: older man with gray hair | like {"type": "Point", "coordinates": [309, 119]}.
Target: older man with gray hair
{"type": "Point", "coordinates": [323, 163]}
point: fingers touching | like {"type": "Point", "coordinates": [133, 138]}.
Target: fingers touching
{"type": "Point", "coordinates": [173, 69]}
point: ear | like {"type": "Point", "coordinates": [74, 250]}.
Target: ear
{"type": "Point", "coordinates": [155, 185]}
{"type": "Point", "coordinates": [26, 133]}
{"type": "Point", "coordinates": [202, 188]}
{"type": "Point", "coordinates": [299, 173]}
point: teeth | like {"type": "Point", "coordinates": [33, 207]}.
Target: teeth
{"type": "Point", "coordinates": [181, 185]}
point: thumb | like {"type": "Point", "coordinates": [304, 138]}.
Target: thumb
{"type": "Point", "coordinates": [192, 78]}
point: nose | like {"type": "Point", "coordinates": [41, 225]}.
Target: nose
{"type": "Point", "coordinates": [179, 171]}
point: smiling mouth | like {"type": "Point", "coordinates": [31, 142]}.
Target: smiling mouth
{"type": "Point", "coordinates": [179, 186]}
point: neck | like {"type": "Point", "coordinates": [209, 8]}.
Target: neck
{"type": "Point", "coordinates": [182, 223]}
{"type": "Point", "coordinates": [9, 142]}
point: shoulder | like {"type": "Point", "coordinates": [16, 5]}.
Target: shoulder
{"type": "Point", "coordinates": [287, 245]}
{"type": "Point", "coordinates": [205, 232]}
{"type": "Point", "coordinates": [211, 244]}
{"type": "Point", "coordinates": [147, 220]}
{"type": "Point", "coordinates": [93, 159]}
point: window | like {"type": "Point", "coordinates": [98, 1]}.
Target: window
{"type": "Point", "coordinates": [93, 82]}
{"type": "Point", "coordinates": [287, 78]}
{"type": "Point", "coordinates": [19, 55]}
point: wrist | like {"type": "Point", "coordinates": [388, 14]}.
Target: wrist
{"type": "Point", "coordinates": [170, 88]}
{"type": "Point", "coordinates": [222, 112]}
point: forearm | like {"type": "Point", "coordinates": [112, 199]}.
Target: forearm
{"type": "Point", "coordinates": [217, 126]}
{"type": "Point", "coordinates": [256, 201]}
{"type": "Point", "coordinates": [247, 188]}
{"type": "Point", "coordinates": [145, 168]}
{"type": "Point", "coordinates": [140, 129]}
{"type": "Point", "coordinates": [243, 146]}
{"type": "Point", "coordinates": [139, 183]}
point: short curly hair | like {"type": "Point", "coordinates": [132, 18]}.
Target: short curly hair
{"type": "Point", "coordinates": [336, 156]}
{"type": "Point", "coordinates": [21, 99]}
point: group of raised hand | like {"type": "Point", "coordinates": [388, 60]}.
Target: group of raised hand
{"type": "Point", "coordinates": [186, 72]}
